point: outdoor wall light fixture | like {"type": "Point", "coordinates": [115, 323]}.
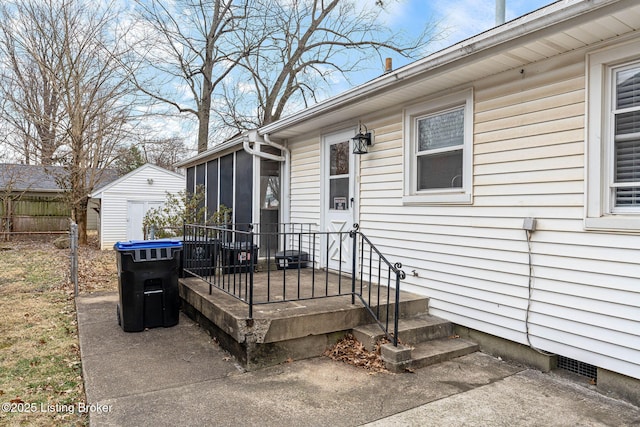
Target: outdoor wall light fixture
{"type": "Point", "coordinates": [362, 141]}
{"type": "Point", "coordinates": [149, 181]}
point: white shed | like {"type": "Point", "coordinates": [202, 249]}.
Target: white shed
{"type": "Point", "coordinates": [124, 202]}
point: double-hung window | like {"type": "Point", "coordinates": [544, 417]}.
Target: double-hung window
{"type": "Point", "coordinates": [437, 150]}
{"type": "Point", "coordinates": [625, 139]}
{"type": "Point", "coordinates": [613, 145]}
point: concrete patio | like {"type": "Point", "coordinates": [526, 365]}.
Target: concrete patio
{"type": "Point", "coordinates": [180, 376]}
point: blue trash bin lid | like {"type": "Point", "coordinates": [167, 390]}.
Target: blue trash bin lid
{"type": "Point", "coordinates": [147, 244]}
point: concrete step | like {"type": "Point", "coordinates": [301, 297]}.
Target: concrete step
{"type": "Point", "coordinates": [412, 330]}
{"type": "Point", "coordinates": [401, 358]}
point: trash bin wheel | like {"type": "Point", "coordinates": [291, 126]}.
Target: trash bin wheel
{"type": "Point", "coordinates": [118, 314]}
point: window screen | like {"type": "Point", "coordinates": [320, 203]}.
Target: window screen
{"type": "Point", "coordinates": [440, 145]}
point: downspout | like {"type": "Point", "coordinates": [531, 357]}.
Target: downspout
{"type": "Point", "coordinates": [286, 159]}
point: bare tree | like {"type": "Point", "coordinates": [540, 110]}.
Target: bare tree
{"type": "Point", "coordinates": [305, 43]}
{"type": "Point", "coordinates": [196, 43]}
{"type": "Point", "coordinates": [29, 89]}
{"type": "Point", "coordinates": [83, 78]}
{"type": "Point", "coordinates": [164, 152]}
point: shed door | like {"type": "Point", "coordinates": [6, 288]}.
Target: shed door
{"type": "Point", "coordinates": [136, 210]}
{"type": "Point", "coordinates": [339, 202]}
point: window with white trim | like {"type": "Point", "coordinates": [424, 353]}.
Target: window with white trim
{"type": "Point", "coordinates": [625, 139]}
{"type": "Point", "coordinates": [613, 145]}
{"type": "Point", "coordinates": [438, 150]}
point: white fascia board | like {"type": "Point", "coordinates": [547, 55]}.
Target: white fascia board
{"type": "Point", "coordinates": [197, 159]}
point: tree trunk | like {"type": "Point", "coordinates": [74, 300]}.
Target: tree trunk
{"type": "Point", "coordinates": [80, 217]}
{"type": "Point", "coordinates": [203, 127]}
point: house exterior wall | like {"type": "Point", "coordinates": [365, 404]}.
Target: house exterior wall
{"type": "Point", "coordinates": [113, 212]}
{"type": "Point", "coordinates": [472, 260]}
{"type": "Point", "coordinates": [305, 181]}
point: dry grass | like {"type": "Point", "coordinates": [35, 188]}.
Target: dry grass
{"type": "Point", "coordinates": [39, 350]}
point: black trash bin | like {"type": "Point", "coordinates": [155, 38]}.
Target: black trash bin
{"type": "Point", "coordinates": [148, 283]}
{"type": "Point", "coordinates": [199, 256]}
{"type": "Point", "coordinates": [238, 257]}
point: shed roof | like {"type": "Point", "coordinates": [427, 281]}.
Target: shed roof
{"type": "Point", "coordinates": [40, 178]}
{"type": "Point", "coordinates": [148, 166]}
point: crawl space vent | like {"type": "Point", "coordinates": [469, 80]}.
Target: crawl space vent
{"type": "Point", "coordinates": [578, 367]}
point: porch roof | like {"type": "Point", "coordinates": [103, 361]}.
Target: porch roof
{"type": "Point", "coordinates": [561, 27]}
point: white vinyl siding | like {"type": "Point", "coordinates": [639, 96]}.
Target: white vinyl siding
{"type": "Point", "coordinates": [472, 261]}
{"type": "Point", "coordinates": [305, 182]}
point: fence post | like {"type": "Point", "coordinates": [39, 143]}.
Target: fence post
{"type": "Point", "coordinates": [73, 245]}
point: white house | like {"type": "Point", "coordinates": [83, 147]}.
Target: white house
{"type": "Point", "coordinates": [504, 175]}
{"type": "Point", "coordinates": [124, 202]}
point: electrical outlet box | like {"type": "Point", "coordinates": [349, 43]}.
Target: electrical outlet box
{"type": "Point", "coordinates": [529, 224]}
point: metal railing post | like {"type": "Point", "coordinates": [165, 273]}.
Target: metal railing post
{"type": "Point", "coordinates": [250, 254]}
{"type": "Point", "coordinates": [396, 313]}
{"type": "Point", "coordinates": [354, 257]}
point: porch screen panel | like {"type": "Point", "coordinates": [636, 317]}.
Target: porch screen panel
{"type": "Point", "coordinates": [244, 188]}
{"type": "Point", "coordinates": [212, 186]}
{"type": "Point", "coordinates": [191, 179]}
{"type": "Point", "coordinates": [201, 171]}
{"type": "Point", "coordinates": [626, 167]}
{"type": "Point", "coordinates": [226, 181]}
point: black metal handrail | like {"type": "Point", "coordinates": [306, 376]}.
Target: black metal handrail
{"type": "Point", "coordinates": [374, 268]}
{"type": "Point", "coordinates": [226, 257]}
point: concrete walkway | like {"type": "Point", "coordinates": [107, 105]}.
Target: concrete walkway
{"type": "Point", "coordinates": [180, 376]}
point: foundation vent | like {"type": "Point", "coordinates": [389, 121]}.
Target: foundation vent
{"type": "Point", "coordinates": [577, 367]}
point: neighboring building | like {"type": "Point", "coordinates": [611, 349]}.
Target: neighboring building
{"type": "Point", "coordinates": [124, 202]}
{"type": "Point", "coordinates": [538, 118]}
{"type": "Point", "coordinates": [33, 200]}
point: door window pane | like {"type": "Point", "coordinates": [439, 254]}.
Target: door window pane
{"type": "Point", "coordinates": [339, 159]}
{"type": "Point", "coordinates": [339, 193]}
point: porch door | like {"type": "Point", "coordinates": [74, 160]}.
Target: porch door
{"type": "Point", "coordinates": [339, 199]}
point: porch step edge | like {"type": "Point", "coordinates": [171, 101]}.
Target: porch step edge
{"type": "Point", "coordinates": [426, 353]}
{"type": "Point", "coordinates": [416, 329]}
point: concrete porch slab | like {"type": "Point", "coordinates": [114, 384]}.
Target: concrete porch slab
{"type": "Point", "coordinates": [280, 331]}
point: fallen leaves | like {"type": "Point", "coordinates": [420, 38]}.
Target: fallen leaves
{"type": "Point", "coordinates": [350, 350]}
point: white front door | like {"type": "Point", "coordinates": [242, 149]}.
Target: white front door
{"type": "Point", "coordinates": [339, 199]}
{"type": "Point", "coordinates": [136, 210]}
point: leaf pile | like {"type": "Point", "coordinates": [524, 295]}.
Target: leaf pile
{"type": "Point", "coordinates": [350, 350]}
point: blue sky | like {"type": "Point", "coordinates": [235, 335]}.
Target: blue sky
{"type": "Point", "coordinates": [458, 20]}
